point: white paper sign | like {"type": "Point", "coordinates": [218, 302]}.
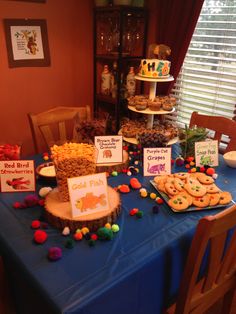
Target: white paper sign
{"type": "Point", "coordinates": [156, 161]}
{"type": "Point", "coordinates": [88, 194]}
{"type": "Point", "coordinates": [109, 148]}
{"type": "Point", "coordinates": [206, 153]}
{"type": "Point", "coordinates": [17, 175]}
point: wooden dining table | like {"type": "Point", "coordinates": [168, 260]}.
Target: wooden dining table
{"type": "Point", "coordinates": [137, 272]}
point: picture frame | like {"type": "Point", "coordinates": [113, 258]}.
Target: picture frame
{"type": "Point", "coordinates": [27, 42]}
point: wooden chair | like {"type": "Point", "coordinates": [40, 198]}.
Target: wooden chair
{"type": "Point", "coordinates": [56, 125]}
{"type": "Point", "coordinates": [221, 126]}
{"type": "Point", "coordinates": [219, 281]}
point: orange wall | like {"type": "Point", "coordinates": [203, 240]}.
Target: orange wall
{"type": "Point", "coordinates": [69, 79]}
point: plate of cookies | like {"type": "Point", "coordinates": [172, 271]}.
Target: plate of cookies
{"type": "Point", "coordinates": [191, 191]}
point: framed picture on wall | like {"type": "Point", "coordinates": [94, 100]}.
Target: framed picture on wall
{"type": "Point", "coordinates": [27, 43]}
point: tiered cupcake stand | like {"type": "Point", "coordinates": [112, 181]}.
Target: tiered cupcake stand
{"type": "Point", "coordinates": [150, 113]}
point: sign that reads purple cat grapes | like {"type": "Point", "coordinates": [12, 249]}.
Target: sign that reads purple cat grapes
{"type": "Point", "coordinates": [156, 161]}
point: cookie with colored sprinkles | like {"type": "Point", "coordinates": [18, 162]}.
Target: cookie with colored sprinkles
{"type": "Point", "coordinates": [195, 189]}
{"type": "Point", "coordinates": [178, 203]}
{"type": "Point", "coordinates": [202, 201]}
{"type": "Point", "coordinates": [225, 198]}
{"type": "Point", "coordinates": [214, 199]}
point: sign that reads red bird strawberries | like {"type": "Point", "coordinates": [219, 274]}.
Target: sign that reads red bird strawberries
{"type": "Point", "coordinates": [17, 176]}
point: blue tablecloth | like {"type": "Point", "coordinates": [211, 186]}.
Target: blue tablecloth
{"type": "Point", "coordinates": [138, 272]}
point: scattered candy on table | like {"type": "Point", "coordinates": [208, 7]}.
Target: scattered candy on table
{"type": "Point", "coordinates": [139, 214]}
{"type": "Point", "coordinates": [17, 205]}
{"type": "Point", "coordinates": [31, 200]}
{"type": "Point", "coordinates": [124, 188]}
{"type": "Point", "coordinates": [104, 233]}
{"type": "Point", "coordinates": [66, 231]}
{"type": "Point", "coordinates": [45, 156]}
{"type": "Point", "coordinates": [159, 200]}
{"type": "Point", "coordinates": [44, 191]}
{"type": "Point", "coordinates": [202, 169]}
{"type": "Point", "coordinates": [78, 236]}
{"type": "Point", "coordinates": [94, 236]}
{"type": "Point", "coordinates": [41, 202]}
{"type": "Point", "coordinates": [115, 228]}
{"type": "Point", "coordinates": [35, 224]}
{"type": "Point", "coordinates": [179, 161]}
{"type": "Point", "coordinates": [133, 211]}
{"type": "Point", "coordinates": [84, 230]}
{"type": "Point", "coordinates": [210, 171]}
{"type": "Point", "coordinates": [40, 236]}
{"type": "Point", "coordinates": [143, 192]}
{"type": "Point", "coordinates": [215, 176]}
{"type": "Point", "coordinates": [153, 196]}
{"type": "Point", "coordinates": [54, 253]}
{"type": "Point", "coordinates": [135, 184]}
{"type": "Point", "coordinates": [108, 225]}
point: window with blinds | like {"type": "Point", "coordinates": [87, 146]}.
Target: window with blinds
{"type": "Point", "coordinates": [207, 81]}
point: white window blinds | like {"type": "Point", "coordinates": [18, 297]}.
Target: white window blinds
{"type": "Point", "coordinates": [207, 80]}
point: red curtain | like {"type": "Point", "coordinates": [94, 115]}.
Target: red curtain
{"type": "Point", "coordinates": [175, 24]}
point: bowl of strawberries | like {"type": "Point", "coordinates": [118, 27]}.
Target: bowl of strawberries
{"type": "Point", "coordinates": [10, 152]}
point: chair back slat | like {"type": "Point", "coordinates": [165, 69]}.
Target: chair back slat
{"type": "Point", "coordinates": [221, 126]}
{"type": "Point", "coordinates": [47, 134]}
{"type": "Point", "coordinates": [62, 131]}
{"type": "Point", "coordinates": [229, 262]}
{"type": "Point", "coordinates": [214, 260]}
{"type": "Point", "coordinates": [220, 277]}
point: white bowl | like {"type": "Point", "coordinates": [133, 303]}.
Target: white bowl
{"type": "Point", "coordinates": [230, 158]}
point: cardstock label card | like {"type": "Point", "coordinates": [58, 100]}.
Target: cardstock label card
{"type": "Point", "coordinates": [17, 176]}
{"type": "Point", "coordinates": [156, 161]}
{"type": "Point", "coordinates": [88, 194]}
{"type": "Point", "coordinates": [206, 153]}
{"type": "Point", "coordinates": [110, 149]}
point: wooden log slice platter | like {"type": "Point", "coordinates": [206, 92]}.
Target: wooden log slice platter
{"type": "Point", "coordinates": [109, 167]}
{"type": "Point", "coordinates": [59, 214]}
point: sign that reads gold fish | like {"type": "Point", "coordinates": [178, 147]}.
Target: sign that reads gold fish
{"type": "Point", "coordinates": [88, 194]}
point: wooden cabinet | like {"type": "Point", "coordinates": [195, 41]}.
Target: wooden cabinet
{"type": "Point", "coordinates": [120, 43]}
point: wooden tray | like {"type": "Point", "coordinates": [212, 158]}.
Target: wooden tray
{"type": "Point", "coordinates": [59, 213]}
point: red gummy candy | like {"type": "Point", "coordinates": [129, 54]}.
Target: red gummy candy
{"type": "Point", "coordinates": [133, 211]}
{"type": "Point", "coordinates": [159, 201]}
{"type": "Point", "coordinates": [135, 184]}
{"type": "Point", "coordinates": [210, 171]}
{"type": "Point", "coordinates": [124, 188]}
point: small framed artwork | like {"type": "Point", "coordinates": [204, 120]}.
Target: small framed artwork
{"type": "Point", "coordinates": [27, 43]}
